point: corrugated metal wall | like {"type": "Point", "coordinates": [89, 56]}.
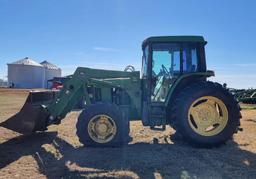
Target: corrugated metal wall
{"type": "Point", "coordinates": [50, 74]}
{"type": "Point", "coordinates": [27, 73]}
{"type": "Point", "coordinates": [26, 76]}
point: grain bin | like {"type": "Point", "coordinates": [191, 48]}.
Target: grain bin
{"type": "Point", "coordinates": [51, 71]}
{"type": "Point", "coordinates": [26, 73]}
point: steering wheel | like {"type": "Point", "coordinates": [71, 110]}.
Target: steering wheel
{"type": "Point", "coordinates": [129, 68]}
{"type": "Point", "coordinates": [165, 71]}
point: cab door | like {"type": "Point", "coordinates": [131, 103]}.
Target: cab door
{"type": "Point", "coordinates": [162, 65]}
{"type": "Point", "coordinates": [166, 68]}
{"type": "Point", "coordinates": [160, 68]}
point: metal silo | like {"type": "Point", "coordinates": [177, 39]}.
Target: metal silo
{"type": "Point", "coordinates": [26, 73]}
{"type": "Point", "coordinates": [51, 71]}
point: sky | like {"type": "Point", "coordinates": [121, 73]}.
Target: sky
{"type": "Point", "coordinates": [108, 33]}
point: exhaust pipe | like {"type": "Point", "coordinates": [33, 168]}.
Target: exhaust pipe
{"type": "Point", "coordinates": [33, 116]}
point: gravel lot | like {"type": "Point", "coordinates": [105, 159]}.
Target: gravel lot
{"type": "Point", "coordinates": [151, 154]}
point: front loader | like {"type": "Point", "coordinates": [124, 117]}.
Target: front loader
{"type": "Point", "coordinates": [171, 89]}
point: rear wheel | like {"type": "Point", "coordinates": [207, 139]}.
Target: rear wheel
{"type": "Point", "coordinates": [102, 125]}
{"type": "Point", "coordinates": [206, 114]}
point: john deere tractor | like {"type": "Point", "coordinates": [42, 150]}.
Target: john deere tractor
{"type": "Point", "coordinates": [171, 89]}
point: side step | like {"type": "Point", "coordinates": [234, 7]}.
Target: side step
{"type": "Point", "coordinates": [158, 128]}
{"type": "Point", "coordinates": [157, 116]}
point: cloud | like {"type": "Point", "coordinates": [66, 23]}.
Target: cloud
{"type": "Point", "coordinates": [80, 54]}
{"type": "Point", "coordinates": [70, 69]}
{"type": "Point", "coordinates": [104, 49]}
{"type": "Point", "coordinates": [233, 69]}
{"type": "Point", "coordinates": [245, 64]}
{"type": "Point", "coordinates": [232, 66]}
{"type": "Point", "coordinates": [236, 80]}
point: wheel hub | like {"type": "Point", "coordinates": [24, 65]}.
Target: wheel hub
{"type": "Point", "coordinates": [102, 128]}
{"type": "Point", "coordinates": [208, 116]}
{"type": "Point", "coordinates": [206, 113]}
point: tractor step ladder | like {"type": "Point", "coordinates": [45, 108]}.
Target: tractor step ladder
{"type": "Point", "coordinates": [157, 116]}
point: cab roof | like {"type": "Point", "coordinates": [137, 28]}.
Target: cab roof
{"type": "Point", "coordinates": [199, 39]}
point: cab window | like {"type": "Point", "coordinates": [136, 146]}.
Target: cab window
{"type": "Point", "coordinates": [165, 69]}
{"type": "Point", "coordinates": [190, 59]}
{"type": "Point", "coordinates": [166, 59]}
{"type": "Point", "coordinates": [144, 62]}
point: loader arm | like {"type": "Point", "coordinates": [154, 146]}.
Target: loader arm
{"type": "Point", "coordinates": [76, 88]}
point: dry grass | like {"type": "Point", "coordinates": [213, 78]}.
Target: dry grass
{"type": "Point", "coordinates": [151, 154]}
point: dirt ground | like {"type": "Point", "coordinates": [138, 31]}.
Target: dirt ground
{"type": "Point", "coordinates": [57, 153]}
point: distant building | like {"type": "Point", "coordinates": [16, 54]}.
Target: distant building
{"type": "Point", "coordinates": [26, 73]}
{"type": "Point", "coordinates": [51, 71]}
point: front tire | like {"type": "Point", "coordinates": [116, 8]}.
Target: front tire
{"type": "Point", "coordinates": [206, 114]}
{"type": "Point", "coordinates": [102, 125]}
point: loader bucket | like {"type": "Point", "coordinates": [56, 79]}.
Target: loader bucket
{"type": "Point", "coordinates": [32, 116]}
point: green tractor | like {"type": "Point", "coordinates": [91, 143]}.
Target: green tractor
{"type": "Point", "coordinates": [171, 89]}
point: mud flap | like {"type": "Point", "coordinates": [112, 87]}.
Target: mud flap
{"type": "Point", "coordinates": [32, 117]}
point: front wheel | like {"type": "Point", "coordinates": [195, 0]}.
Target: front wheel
{"type": "Point", "coordinates": [206, 114]}
{"type": "Point", "coordinates": [102, 125]}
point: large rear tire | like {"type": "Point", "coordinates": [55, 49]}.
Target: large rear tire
{"type": "Point", "coordinates": [103, 125]}
{"type": "Point", "coordinates": [206, 114]}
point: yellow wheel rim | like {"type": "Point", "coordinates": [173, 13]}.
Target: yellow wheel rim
{"type": "Point", "coordinates": [208, 116]}
{"type": "Point", "coordinates": [102, 128]}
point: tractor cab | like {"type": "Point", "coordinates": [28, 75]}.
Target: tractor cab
{"type": "Point", "coordinates": [165, 60]}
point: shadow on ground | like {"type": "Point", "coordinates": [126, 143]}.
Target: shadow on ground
{"type": "Point", "coordinates": [144, 160]}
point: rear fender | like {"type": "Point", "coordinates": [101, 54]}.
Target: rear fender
{"type": "Point", "coordinates": [184, 81]}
